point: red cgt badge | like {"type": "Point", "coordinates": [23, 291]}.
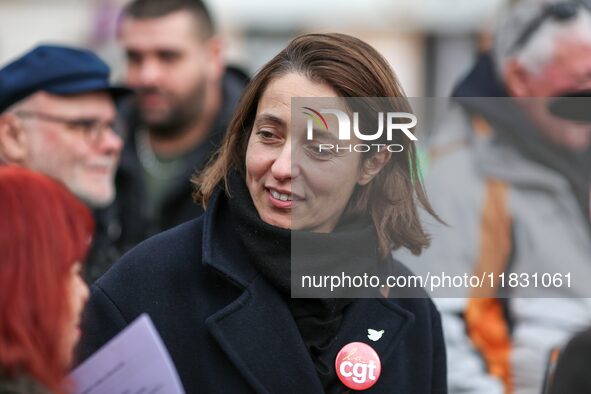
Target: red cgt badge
{"type": "Point", "coordinates": [358, 366]}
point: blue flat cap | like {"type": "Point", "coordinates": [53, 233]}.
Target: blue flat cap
{"type": "Point", "coordinates": [57, 70]}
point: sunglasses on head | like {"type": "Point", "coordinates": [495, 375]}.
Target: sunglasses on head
{"type": "Point", "coordinates": [562, 11]}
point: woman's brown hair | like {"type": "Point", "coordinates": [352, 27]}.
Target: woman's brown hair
{"type": "Point", "coordinates": [351, 68]}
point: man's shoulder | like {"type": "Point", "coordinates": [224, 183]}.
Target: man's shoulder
{"type": "Point", "coordinates": [180, 240]}
{"type": "Point", "coordinates": [177, 249]}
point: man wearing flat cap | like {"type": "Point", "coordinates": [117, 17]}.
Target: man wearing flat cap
{"type": "Point", "coordinates": [57, 113]}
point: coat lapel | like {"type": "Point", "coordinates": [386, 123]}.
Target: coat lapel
{"type": "Point", "coordinates": [259, 335]}
{"type": "Point", "coordinates": [378, 314]}
{"type": "Point", "coordinates": [256, 331]}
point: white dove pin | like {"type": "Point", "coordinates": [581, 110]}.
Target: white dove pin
{"type": "Point", "coordinates": [374, 335]}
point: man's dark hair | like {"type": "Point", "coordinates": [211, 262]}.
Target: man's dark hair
{"type": "Point", "coordinates": [147, 9]}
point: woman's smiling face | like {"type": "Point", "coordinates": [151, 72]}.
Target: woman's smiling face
{"type": "Point", "coordinates": [292, 184]}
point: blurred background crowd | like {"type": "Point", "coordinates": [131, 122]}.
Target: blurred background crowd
{"type": "Point", "coordinates": [510, 177]}
{"type": "Point", "coordinates": [430, 43]}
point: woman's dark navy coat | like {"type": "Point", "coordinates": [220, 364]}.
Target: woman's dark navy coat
{"type": "Point", "coordinates": [229, 331]}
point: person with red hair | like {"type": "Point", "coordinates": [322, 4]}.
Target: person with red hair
{"type": "Point", "coordinates": [45, 233]}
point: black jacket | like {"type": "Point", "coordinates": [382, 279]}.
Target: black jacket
{"type": "Point", "coordinates": [124, 224]}
{"type": "Point", "coordinates": [229, 331]}
{"type": "Point", "coordinates": [574, 363]}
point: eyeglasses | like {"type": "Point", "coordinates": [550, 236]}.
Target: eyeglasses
{"type": "Point", "coordinates": [561, 11]}
{"type": "Point", "coordinates": [92, 129]}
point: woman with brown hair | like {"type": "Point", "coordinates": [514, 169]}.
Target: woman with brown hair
{"type": "Point", "coordinates": [219, 288]}
{"type": "Point", "coordinates": [44, 236]}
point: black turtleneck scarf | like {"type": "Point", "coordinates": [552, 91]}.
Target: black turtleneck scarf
{"type": "Point", "coordinates": [350, 248]}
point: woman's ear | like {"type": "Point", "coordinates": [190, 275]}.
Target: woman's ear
{"type": "Point", "coordinates": [373, 165]}
{"type": "Point", "coordinates": [13, 140]}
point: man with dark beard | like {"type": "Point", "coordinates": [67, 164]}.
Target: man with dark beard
{"type": "Point", "coordinates": [184, 99]}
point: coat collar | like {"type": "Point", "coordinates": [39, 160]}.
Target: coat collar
{"type": "Point", "coordinates": [221, 246]}
{"type": "Point", "coordinates": [257, 331]}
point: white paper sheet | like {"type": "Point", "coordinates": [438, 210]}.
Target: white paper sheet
{"type": "Point", "coordinates": [134, 362]}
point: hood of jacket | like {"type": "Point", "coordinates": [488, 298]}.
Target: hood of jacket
{"type": "Point", "coordinates": [516, 139]}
